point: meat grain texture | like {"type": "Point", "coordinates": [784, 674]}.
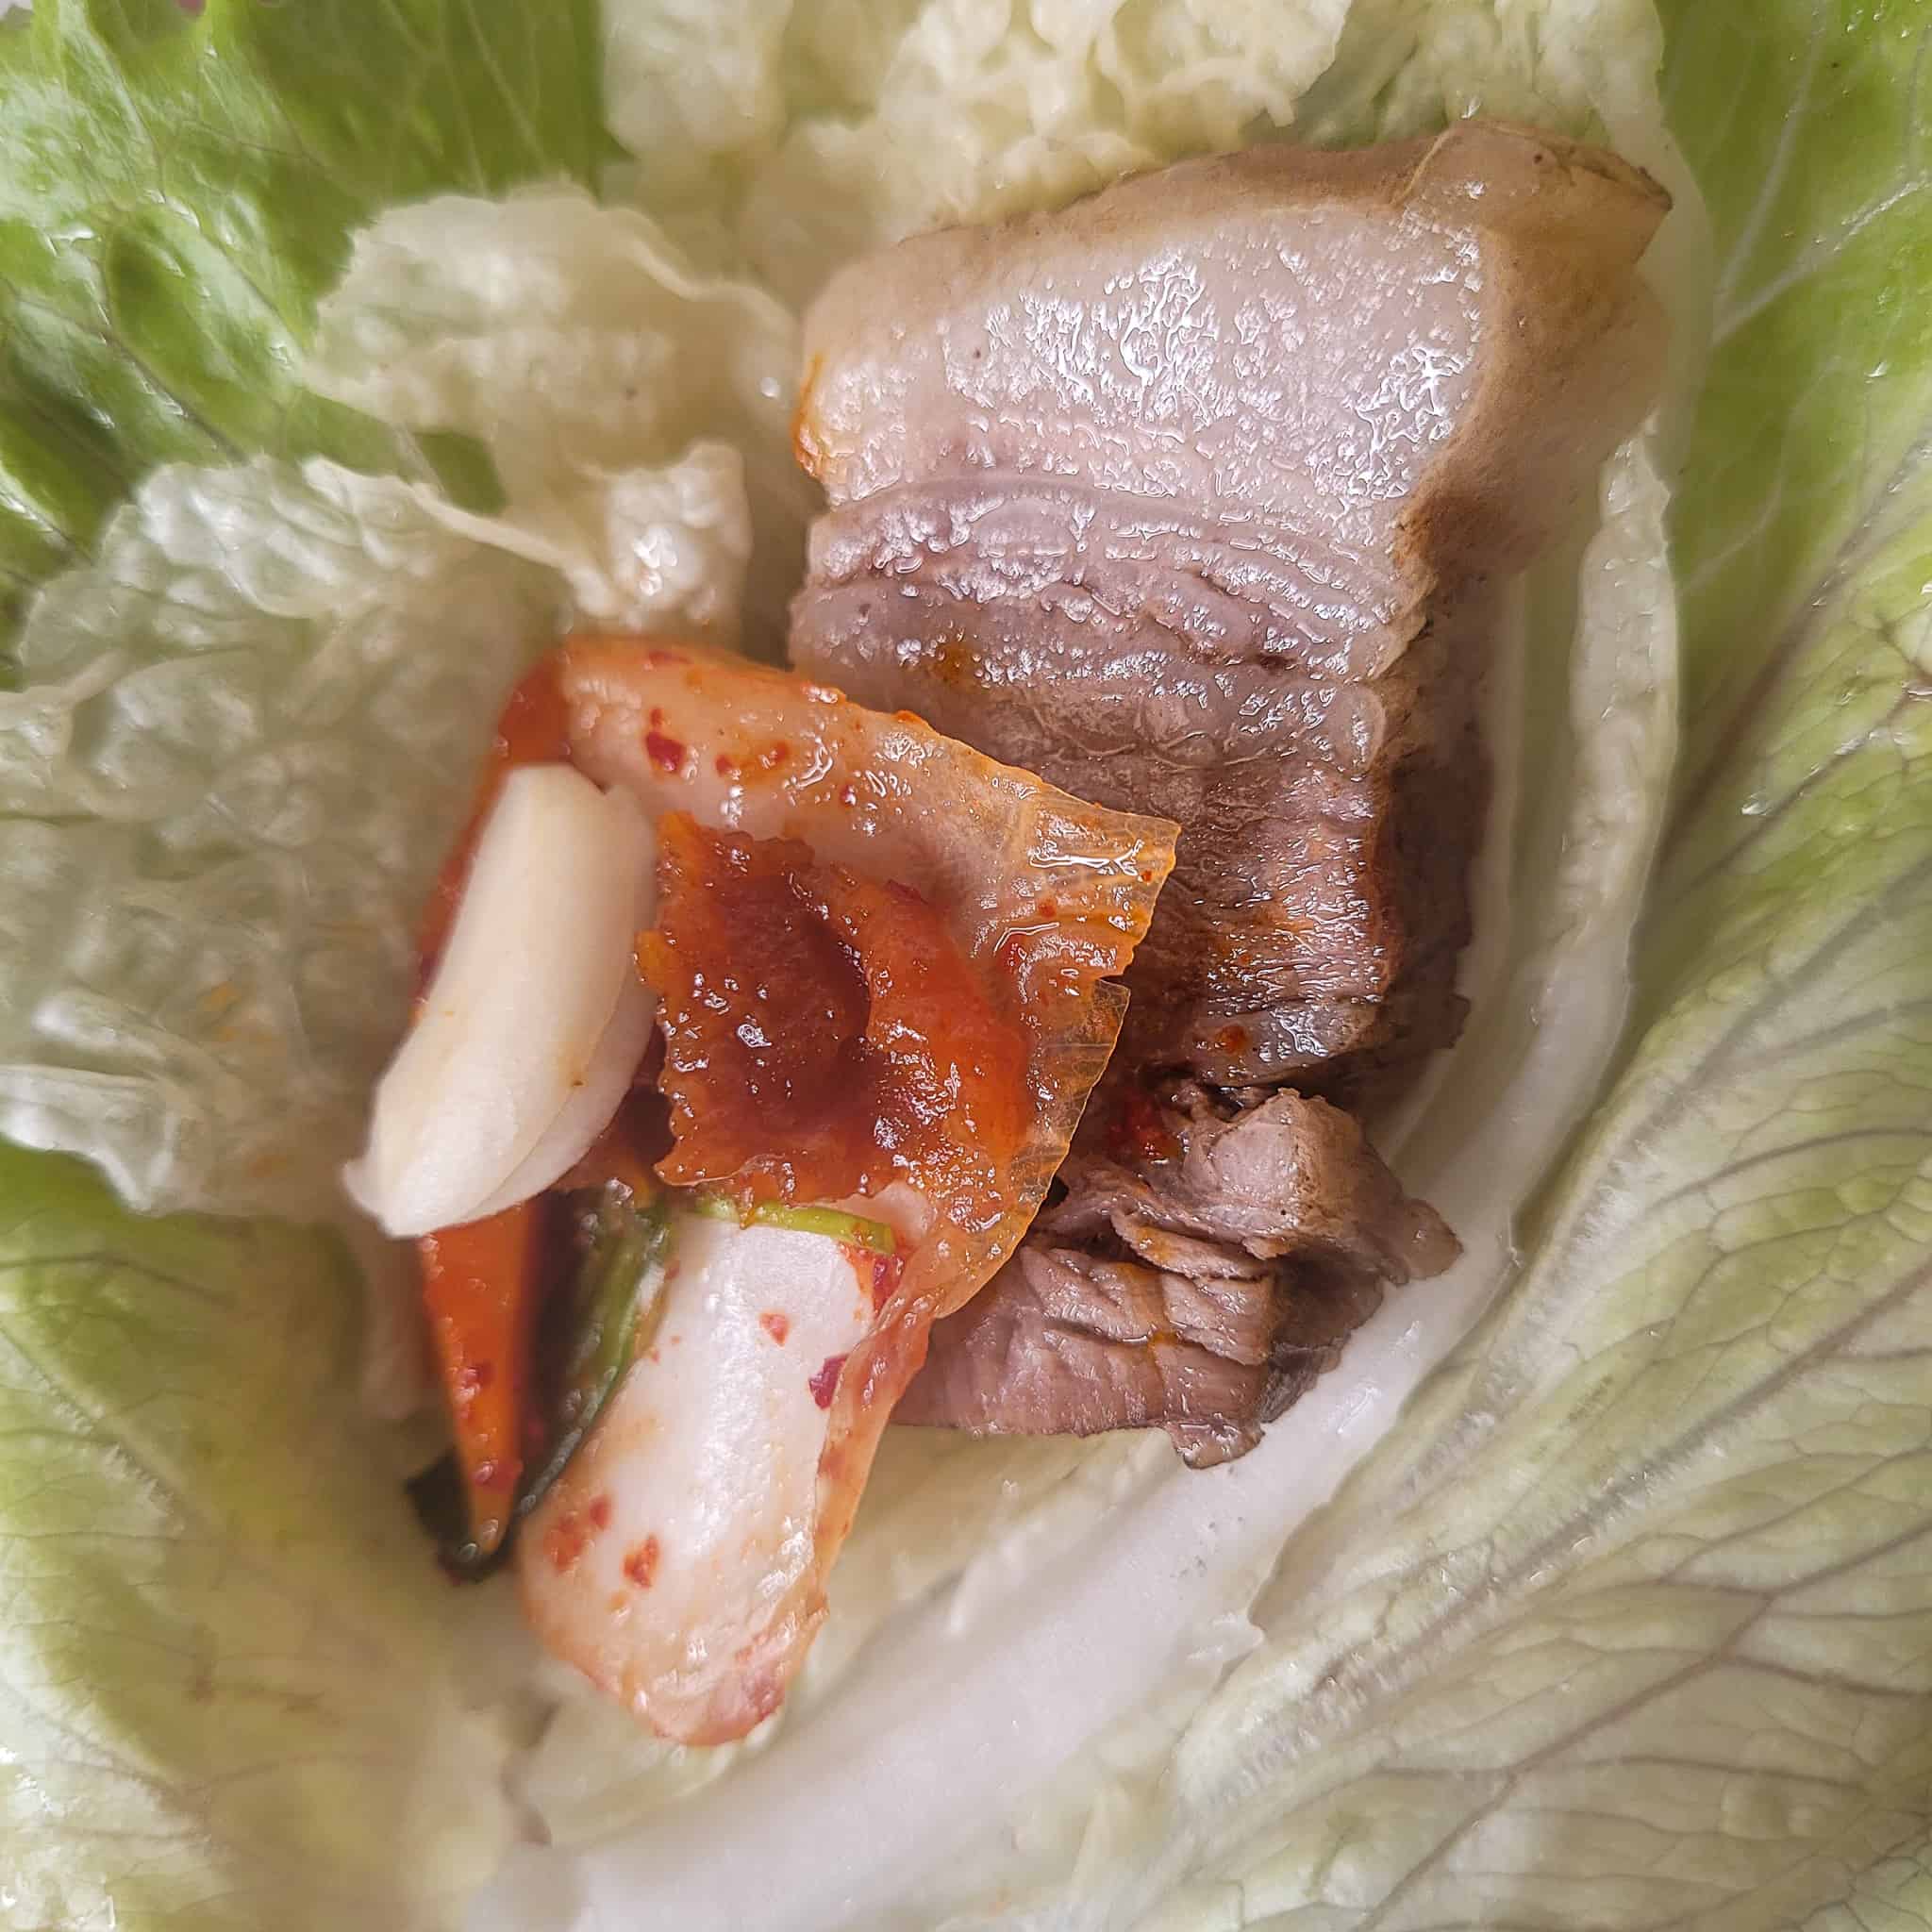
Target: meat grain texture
{"type": "Point", "coordinates": [1198, 498]}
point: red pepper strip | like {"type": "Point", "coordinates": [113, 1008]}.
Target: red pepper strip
{"type": "Point", "coordinates": [479, 1287]}
{"type": "Point", "coordinates": [480, 1281]}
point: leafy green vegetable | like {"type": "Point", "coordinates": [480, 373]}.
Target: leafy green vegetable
{"type": "Point", "coordinates": [1632, 1622]}
{"type": "Point", "coordinates": [605, 1316]}
{"type": "Point", "coordinates": [178, 190]}
{"type": "Point", "coordinates": [807, 132]}
{"type": "Point", "coordinates": [1806, 128]}
{"type": "Point", "coordinates": [228, 1682]}
{"type": "Point", "coordinates": [226, 790]}
{"type": "Point", "coordinates": [637, 411]}
{"type": "Point", "coordinates": [1629, 1622]}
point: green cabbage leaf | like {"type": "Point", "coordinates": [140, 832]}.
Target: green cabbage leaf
{"type": "Point", "coordinates": [342, 355]}
{"type": "Point", "coordinates": [232, 1695]}
{"type": "Point", "coordinates": [1629, 1623]}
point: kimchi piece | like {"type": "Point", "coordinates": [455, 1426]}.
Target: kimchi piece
{"type": "Point", "coordinates": [792, 1090]}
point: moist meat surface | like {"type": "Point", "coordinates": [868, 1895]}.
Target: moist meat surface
{"type": "Point", "coordinates": [1150, 1292]}
{"type": "Point", "coordinates": [1197, 498]}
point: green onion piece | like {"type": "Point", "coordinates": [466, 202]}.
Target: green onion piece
{"type": "Point", "coordinates": [614, 1302]}
{"type": "Point", "coordinates": [598, 1323]}
{"type": "Point", "coordinates": [854, 1230]}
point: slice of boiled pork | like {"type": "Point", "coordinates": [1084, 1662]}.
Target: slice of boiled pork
{"type": "Point", "coordinates": [1197, 498]}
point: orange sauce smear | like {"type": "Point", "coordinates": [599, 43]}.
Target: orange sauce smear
{"type": "Point", "coordinates": [825, 1034]}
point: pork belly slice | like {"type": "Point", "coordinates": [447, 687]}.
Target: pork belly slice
{"type": "Point", "coordinates": [1317, 903]}
{"type": "Point", "coordinates": [1285, 339]}
{"type": "Point", "coordinates": [1220, 467]}
{"type": "Point", "coordinates": [1199, 498]}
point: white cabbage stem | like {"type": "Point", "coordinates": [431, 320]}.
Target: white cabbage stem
{"type": "Point", "coordinates": [535, 1021]}
{"type": "Point", "coordinates": [660, 1562]}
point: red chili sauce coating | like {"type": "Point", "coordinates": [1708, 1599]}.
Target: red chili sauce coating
{"type": "Point", "coordinates": [825, 1033]}
{"type": "Point", "coordinates": [825, 1383]}
{"type": "Point", "coordinates": [1136, 1131]}
{"type": "Point", "coordinates": [886, 1272]}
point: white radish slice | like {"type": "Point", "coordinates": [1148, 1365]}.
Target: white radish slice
{"type": "Point", "coordinates": [534, 1022]}
{"type": "Point", "coordinates": [693, 1507]}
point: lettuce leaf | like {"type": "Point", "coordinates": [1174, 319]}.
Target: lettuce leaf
{"type": "Point", "coordinates": [226, 784]}
{"type": "Point", "coordinates": [1628, 1620]}
{"type": "Point", "coordinates": [230, 1688]}
{"type": "Point", "coordinates": [576, 343]}
{"type": "Point", "coordinates": [178, 189]}
{"type": "Point", "coordinates": [1631, 1623]}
